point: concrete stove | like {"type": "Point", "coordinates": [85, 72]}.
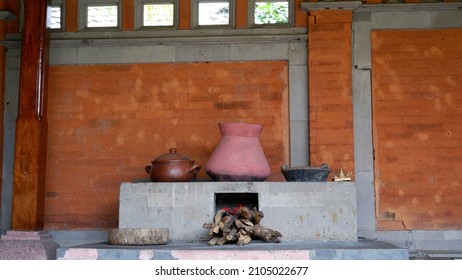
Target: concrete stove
{"type": "Point", "coordinates": [300, 211]}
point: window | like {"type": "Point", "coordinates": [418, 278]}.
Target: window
{"type": "Point", "coordinates": [212, 13]}
{"type": "Point", "coordinates": [156, 14]}
{"type": "Point", "coordinates": [101, 16]}
{"type": "Point", "coordinates": [271, 13]}
{"type": "Point", "coordinates": [97, 14]}
{"type": "Point", "coordinates": [164, 14]}
{"type": "Point", "coordinates": [56, 18]}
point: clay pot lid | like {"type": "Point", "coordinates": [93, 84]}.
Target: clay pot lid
{"type": "Point", "coordinates": [172, 156]}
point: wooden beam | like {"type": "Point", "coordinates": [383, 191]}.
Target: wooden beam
{"type": "Point", "coordinates": [31, 125]}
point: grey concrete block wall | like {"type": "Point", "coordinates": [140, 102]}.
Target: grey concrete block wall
{"type": "Point", "coordinates": [198, 46]}
{"type": "Point", "coordinates": [145, 46]}
{"type": "Point", "coordinates": [11, 101]}
{"type": "Point", "coordinates": [300, 211]}
{"type": "Point", "coordinates": [385, 17]}
{"type": "Point", "coordinates": [287, 44]}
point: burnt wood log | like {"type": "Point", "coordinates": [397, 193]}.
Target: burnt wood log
{"type": "Point", "coordinates": [240, 225]}
{"type": "Point", "coordinates": [266, 234]}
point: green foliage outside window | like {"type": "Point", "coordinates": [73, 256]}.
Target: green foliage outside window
{"type": "Point", "coordinates": [271, 12]}
{"type": "Point", "coordinates": [158, 14]}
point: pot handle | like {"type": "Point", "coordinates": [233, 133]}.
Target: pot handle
{"type": "Point", "coordinates": [148, 169]}
{"type": "Point", "coordinates": [194, 169]}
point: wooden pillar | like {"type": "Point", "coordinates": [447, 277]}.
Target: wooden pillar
{"type": "Point", "coordinates": [31, 125]}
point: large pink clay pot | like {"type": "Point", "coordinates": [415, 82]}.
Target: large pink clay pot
{"type": "Point", "coordinates": [238, 156]}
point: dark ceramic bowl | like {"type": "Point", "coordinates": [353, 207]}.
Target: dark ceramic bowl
{"type": "Point", "coordinates": [305, 173]}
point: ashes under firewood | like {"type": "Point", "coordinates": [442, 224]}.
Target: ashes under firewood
{"type": "Point", "coordinates": [239, 224]}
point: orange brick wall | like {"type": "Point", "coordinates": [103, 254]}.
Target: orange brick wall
{"type": "Point", "coordinates": [417, 125]}
{"type": "Point", "coordinates": [106, 122]}
{"type": "Point", "coordinates": [330, 90]}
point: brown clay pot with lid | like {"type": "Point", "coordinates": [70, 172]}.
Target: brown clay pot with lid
{"type": "Point", "coordinates": [172, 167]}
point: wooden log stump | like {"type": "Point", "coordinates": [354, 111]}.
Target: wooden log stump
{"type": "Point", "coordinates": [138, 236]}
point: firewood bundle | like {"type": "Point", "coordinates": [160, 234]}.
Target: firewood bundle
{"type": "Point", "coordinates": [241, 225]}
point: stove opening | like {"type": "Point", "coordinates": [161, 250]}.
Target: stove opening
{"type": "Point", "coordinates": [231, 200]}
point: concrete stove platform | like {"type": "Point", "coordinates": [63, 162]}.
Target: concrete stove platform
{"type": "Point", "coordinates": [315, 250]}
